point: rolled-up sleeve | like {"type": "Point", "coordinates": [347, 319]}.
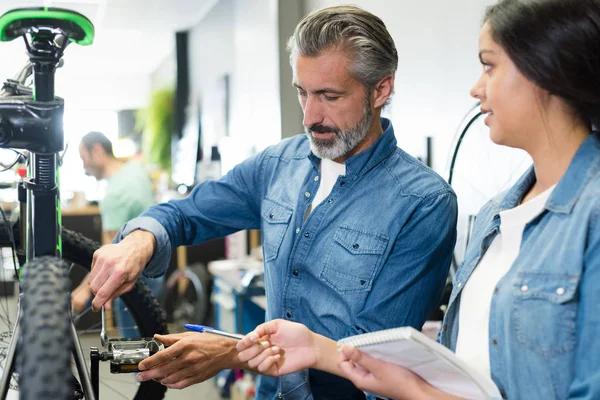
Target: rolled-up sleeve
{"type": "Point", "coordinates": [160, 259]}
{"type": "Point", "coordinates": [214, 209]}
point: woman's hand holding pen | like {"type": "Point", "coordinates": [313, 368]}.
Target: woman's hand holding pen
{"type": "Point", "coordinates": [290, 348]}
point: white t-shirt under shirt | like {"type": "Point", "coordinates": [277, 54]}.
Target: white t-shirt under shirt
{"type": "Point", "coordinates": [473, 321]}
{"type": "Point", "coordinates": [330, 170]}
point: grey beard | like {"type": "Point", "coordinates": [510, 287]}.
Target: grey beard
{"type": "Point", "coordinates": [343, 141]}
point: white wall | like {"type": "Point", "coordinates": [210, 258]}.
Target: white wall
{"type": "Point", "coordinates": [121, 91]}
{"type": "Point", "coordinates": [290, 13]}
{"type": "Point", "coordinates": [165, 75]}
{"type": "Point", "coordinates": [437, 46]}
{"type": "Point", "coordinates": [118, 86]}
{"type": "Point", "coordinates": [211, 56]}
{"type": "Point", "coordinates": [244, 39]}
{"type": "Point", "coordinates": [255, 105]}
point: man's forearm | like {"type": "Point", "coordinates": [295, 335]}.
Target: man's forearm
{"type": "Point", "coordinates": [144, 241]}
{"type": "Point", "coordinates": [152, 237]}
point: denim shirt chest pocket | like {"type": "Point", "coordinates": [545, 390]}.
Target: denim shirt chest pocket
{"type": "Point", "coordinates": [353, 260]}
{"type": "Point", "coordinates": [545, 312]}
{"type": "Point", "coordinates": [276, 219]}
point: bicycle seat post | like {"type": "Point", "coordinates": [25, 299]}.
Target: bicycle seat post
{"type": "Point", "coordinates": [45, 51]}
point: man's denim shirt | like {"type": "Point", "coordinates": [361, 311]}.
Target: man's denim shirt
{"type": "Point", "coordinates": [373, 255]}
{"type": "Point", "coordinates": [545, 318]}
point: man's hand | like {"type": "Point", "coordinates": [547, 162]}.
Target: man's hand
{"type": "Point", "coordinates": [190, 358]}
{"type": "Point", "coordinates": [116, 267]}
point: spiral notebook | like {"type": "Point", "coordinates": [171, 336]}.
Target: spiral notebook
{"type": "Point", "coordinates": [427, 358]}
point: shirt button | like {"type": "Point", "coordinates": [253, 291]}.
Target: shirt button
{"type": "Point", "coordinates": [271, 216]}
{"type": "Point", "coordinates": [288, 314]}
{"type": "Point", "coordinates": [459, 285]}
{"type": "Point", "coordinates": [560, 291]}
{"type": "Point", "coordinates": [279, 395]}
{"type": "Point", "coordinates": [316, 178]}
{"type": "Point", "coordinates": [355, 246]}
{"type": "Point", "coordinates": [330, 201]}
{"type": "Point", "coordinates": [307, 195]}
{"type": "Point", "coordinates": [297, 230]}
{"type": "Point", "coordinates": [524, 288]}
{"type": "Point", "coordinates": [295, 273]}
{"type": "Point", "coordinates": [342, 183]}
{"type": "Point", "coordinates": [306, 234]}
{"type": "Point", "coordinates": [494, 342]}
{"type": "Point", "coordinates": [496, 289]}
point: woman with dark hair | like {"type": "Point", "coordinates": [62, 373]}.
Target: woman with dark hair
{"type": "Point", "coordinates": [524, 309]}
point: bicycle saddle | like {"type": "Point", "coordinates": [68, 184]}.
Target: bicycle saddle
{"type": "Point", "coordinates": [76, 27]}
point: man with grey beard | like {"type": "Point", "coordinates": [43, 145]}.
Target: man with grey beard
{"type": "Point", "coordinates": [357, 235]}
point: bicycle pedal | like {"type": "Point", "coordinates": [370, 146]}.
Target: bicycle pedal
{"type": "Point", "coordinates": [126, 354]}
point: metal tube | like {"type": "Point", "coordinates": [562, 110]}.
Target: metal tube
{"type": "Point", "coordinates": [9, 365]}
{"type": "Point", "coordinates": [44, 197]}
{"type": "Point", "coordinates": [84, 376]}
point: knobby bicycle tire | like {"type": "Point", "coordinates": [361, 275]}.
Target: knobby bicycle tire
{"type": "Point", "coordinates": [44, 346]}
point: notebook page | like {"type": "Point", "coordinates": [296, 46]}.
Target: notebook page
{"type": "Point", "coordinates": [432, 361]}
{"type": "Point", "coordinates": [422, 361]}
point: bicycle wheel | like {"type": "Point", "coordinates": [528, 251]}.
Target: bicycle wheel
{"type": "Point", "coordinates": [188, 295]}
{"type": "Point", "coordinates": [479, 170]}
{"type": "Point", "coordinates": [44, 346]}
{"type": "Point", "coordinates": [143, 308]}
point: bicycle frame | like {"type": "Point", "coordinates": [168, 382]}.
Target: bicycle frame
{"type": "Point", "coordinates": [35, 124]}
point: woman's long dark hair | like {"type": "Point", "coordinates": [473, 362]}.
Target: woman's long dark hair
{"type": "Point", "coordinates": [556, 45]}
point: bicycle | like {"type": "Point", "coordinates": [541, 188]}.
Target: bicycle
{"type": "Point", "coordinates": [44, 334]}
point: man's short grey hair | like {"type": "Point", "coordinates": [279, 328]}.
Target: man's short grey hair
{"type": "Point", "coordinates": [352, 29]}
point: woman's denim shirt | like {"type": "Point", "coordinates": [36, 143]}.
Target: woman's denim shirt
{"type": "Point", "coordinates": [544, 319]}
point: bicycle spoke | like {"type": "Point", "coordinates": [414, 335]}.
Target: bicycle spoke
{"type": "Point", "coordinates": [115, 331]}
{"type": "Point", "coordinates": [5, 308]}
{"type": "Point", "coordinates": [13, 384]}
{"type": "Point", "coordinates": [81, 314]}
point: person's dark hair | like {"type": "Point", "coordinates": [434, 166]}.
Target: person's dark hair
{"type": "Point", "coordinates": [556, 45]}
{"type": "Point", "coordinates": [355, 30]}
{"type": "Point", "coordinates": [92, 138]}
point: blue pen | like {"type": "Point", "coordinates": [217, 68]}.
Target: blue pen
{"type": "Point", "coordinates": [208, 329]}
